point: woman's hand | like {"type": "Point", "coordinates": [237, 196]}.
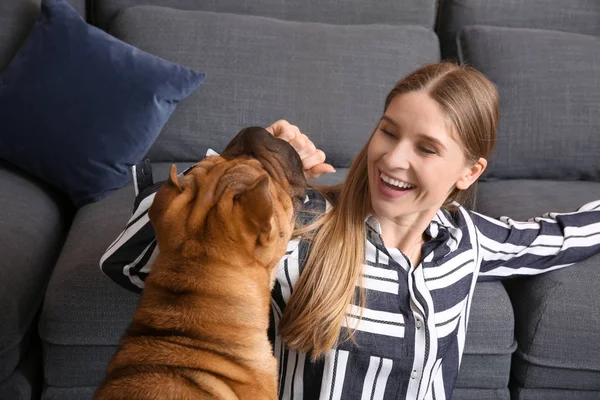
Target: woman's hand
{"type": "Point", "coordinates": [313, 159]}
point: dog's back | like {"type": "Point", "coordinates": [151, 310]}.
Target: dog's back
{"type": "Point", "coordinates": [200, 330]}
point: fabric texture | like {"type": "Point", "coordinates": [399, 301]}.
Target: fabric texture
{"type": "Point", "coordinates": [557, 328]}
{"type": "Point", "coordinates": [580, 16]}
{"type": "Point", "coordinates": [552, 394]}
{"type": "Point", "coordinates": [480, 394]}
{"type": "Point", "coordinates": [34, 219]}
{"type": "Point", "coordinates": [25, 383]}
{"type": "Point", "coordinates": [556, 318]}
{"type": "Point", "coordinates": [79, 107]}
{"type": "Point", "coordinates": [72, 393]}
{"type": "Point", "coordinates": [549, 86]}
{"type": "Point", "coordinates": [331, 80]}
{"type": "Point", "coordinates": [347, 12]}
{"type": "Point", "coordinates": [535, 197]}
{"type": "Point", "coordinates": [16, 20]}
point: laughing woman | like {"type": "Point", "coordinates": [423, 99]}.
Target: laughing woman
{"type": "Point", "coordinates": [392, 250]}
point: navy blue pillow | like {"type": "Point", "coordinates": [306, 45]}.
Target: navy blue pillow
{"type": "Point", "coordinates": [79, 107]}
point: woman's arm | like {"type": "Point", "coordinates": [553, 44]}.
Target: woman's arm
{"type": "Point", "coordinates": [555, 240]}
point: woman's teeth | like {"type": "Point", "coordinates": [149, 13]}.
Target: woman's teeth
{"type": "Point", "coordinates": [395, 183]}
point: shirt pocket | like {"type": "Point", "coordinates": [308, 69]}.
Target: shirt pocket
{"type": "Point", "coordinates": [376, 333]}
{"type": "Point", "coordinates": [446, 325]}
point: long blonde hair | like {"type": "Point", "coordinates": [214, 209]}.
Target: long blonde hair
{"type": "Point", "coordinates": [317, 307]}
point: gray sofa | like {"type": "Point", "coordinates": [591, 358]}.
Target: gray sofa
{"type": "Point", "coordinates": [325, 66]}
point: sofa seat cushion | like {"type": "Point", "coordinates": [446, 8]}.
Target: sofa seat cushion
{"type": "Point", "coordinates": [558, 328]}
{"type": "Point", "coordinates": [330, 80]}
{"type": "Point", "coordinates": [34, 223]}
{"type": "Point", "coordinates": [553, 394]}
{"type": "Point", "coordinates": [549, 86]}
{"type": "Point", "coordinates": [490, 339]}
{"type": "Point", "coordinates": [557, 314]}
{"type": "Point", "coordinates": [25, 382]}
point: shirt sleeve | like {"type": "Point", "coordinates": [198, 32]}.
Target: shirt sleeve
{"type": "Point", "coordinates": [555, 240]}
{"type": "Point", "coordinates": [129, 258]}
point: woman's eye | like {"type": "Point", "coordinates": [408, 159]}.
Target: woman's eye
{"type": "Point", "coordinates": [427, 150]}
{"type": "Point", "coordinates": [386, 132]}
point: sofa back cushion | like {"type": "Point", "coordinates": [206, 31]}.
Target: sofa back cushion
{"type": "Point", "coordinates": [16, 20]}
{"type": "Point", "coordinates": [330, 80]}
{"type": "Point", "coordinates": [394, 12]}
{"type": "Point", "coordinates": [549, 86]}
{"type": "Point", "coordinates": [576, 16]}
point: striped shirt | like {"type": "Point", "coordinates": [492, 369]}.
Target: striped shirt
{"type": "Point", "coordinates": [410, 341]}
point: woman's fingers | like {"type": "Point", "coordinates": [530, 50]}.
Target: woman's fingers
{"type": "Point", "coordinates": [315, 166]}
{"type": "Point", "coordinates": [283, 130]}
{"type": "Point", "coordinates": [313, 159]}
{"type": "Point", "coordinates": [319, 170]}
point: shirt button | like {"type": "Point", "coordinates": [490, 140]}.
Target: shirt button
{"type": "Point", "coordinates": [419, 324]}
{"type": "Point", "coordinates": [414, 374]}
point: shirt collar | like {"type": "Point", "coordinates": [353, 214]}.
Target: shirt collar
{"type": "Point", "coordinates": [441, 228]}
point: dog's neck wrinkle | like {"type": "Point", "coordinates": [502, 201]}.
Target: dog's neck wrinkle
{"type": "Point", "coordinates": [207, 269]}
{"type": "Point", "coordinates": [244, 313]}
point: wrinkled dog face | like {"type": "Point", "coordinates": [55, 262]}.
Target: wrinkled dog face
{"type": "Point", "coordinates": [233, 208]}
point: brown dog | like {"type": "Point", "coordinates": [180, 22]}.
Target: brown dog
{"type": "Point", "coordinates": [200, 329]}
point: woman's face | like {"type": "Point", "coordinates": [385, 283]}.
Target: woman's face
{"type": "Point", "coordinates": [413, 160]}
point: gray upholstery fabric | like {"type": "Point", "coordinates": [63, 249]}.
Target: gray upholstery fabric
{"type": "Point", "coordinates": [331, 80]}
{"type": "Point", "coordinates": [480, 394]}
{"type": "Point", "coordinates": [578, 16]}
{"type": "Point", "coordinates": [16, 19]}
{"type": "Point", "coordinates": [490, 339]}
{"type": "Point", "coordinates": [76, 393]}
{"type": "Point", "coordinates": [491, 322]}
{"type": "Point", "coordinates": [79, 365]}
{"type": "Point", "coordinates": [34, 222]}
{"type": "Point", "coordinates": [415, 12]}
{"type": "Point", "coordinates": [557, 314]}
{"type": "Point", "coordinates": [553, 394]}
{"type": "Point", "coordinates": [484, 371]}
{"type": "Point", "coordinates": [558, 328]}
{"type": "Point", "coordinates": [549, 85]}
{"type": "Point", "coordinates": [25, 382]}
{"type": "Point", "coordinates": [522, 199]}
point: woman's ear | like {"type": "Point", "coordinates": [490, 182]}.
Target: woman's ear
{"type": "Point", "coordinates": [471, 174]}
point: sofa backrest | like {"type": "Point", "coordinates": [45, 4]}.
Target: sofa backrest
{"type": "Point", "coordinates": [576, 16]}
{"type": "Point", "coordinates": [544, 57]}
{"type": "Point", "coordinates": [16, 19]}
{"type": "Point", "coordinates": [329, 79]}
{"type": "Point", "coordinates": [348, 12]}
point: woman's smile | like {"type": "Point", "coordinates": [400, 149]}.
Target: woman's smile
{"type": "Point", "coordinates": [393, 188]}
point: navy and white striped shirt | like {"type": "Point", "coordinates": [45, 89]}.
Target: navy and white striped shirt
{"type": "Point", "coordinates": [410, 340]}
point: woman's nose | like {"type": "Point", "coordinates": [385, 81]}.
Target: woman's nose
{"type": "Point", "coordinates": [398, 157]}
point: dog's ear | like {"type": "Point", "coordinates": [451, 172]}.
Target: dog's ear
{"type": "Point", "coordinates": [257, 208]}
{"type": "Point", "coordinates": [173, 179]}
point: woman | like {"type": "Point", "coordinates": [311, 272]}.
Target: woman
{"type": "Point", "coordinates": [373, 300]}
